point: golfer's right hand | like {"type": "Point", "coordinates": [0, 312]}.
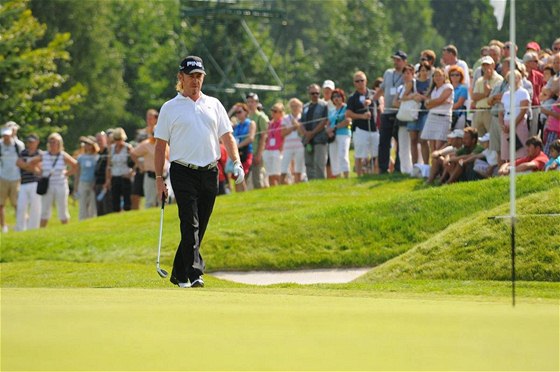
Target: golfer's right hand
{"type": "Point", "coordinates": [161, 187]}
{"type": "Point", "coordinates": [238, 172]}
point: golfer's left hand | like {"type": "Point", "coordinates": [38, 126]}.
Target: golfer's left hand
{"type": "Point", "coordinates": [238, 172]}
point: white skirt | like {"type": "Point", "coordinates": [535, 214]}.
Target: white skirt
{"type": "Point", "coordinates": [437, 127]}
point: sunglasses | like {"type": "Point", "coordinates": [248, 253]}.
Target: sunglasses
{"type": "Point", "coordinates": [274, 110]}
{"type": "Point", "coordinates": [239, 112]}
{"type": "Point", "coordinates": [336, 96]}
{"type": "Point", "coordinates": [314, 93]}
{"type": "Point", "coordinates": [454, 75]}
{"type": "Point", "coordinates": [359, 81]}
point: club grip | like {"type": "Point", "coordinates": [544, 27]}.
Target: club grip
{"type": "Point", "coordinates": [162, 200]}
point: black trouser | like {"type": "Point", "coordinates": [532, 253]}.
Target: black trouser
{"type": "Point", "coordinates": [121, 187]}
{"type": "Point", "coordinates": [195, 192]}
{"type": "Point", "coordinates": [389, 129]}
{"type": "Point", "coordinates": [106, 204]}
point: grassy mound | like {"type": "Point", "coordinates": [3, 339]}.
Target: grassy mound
{"type": "Point", "coordinates": [479, 248]}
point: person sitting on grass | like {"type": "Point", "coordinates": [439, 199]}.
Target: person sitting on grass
{"type": "Point", "coordinates": [441, 156]}
{"type": "Point", "coordinates": [533, 162]}
{"type": "Point", "coordinates": [554, 161]}
{"type": "Point", "coordinates": [460, 165]}
{"type": "Point", "coordinates": [486, 162]}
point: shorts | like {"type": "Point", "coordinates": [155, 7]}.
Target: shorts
{"type": "Point", "coordinates": [418, 125]}
{"type": "Point", "coordinates": [138, 183]}
{"type": "Point", "coordinates": [295, 154]}
{"type": "Point", "coordinates": [9, 190]}
{"type": "Point", "coordinates": [366, 144]}
{"type": "Point", "coordinates": [272, 161]}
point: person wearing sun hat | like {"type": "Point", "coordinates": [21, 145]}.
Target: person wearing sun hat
{"type": "Point", "coordinates": [392, 79]}
{"type": "Point", "coordinates": [192, 124]}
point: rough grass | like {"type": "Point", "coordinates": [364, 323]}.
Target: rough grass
{"type": "Point", "coordinates": [357, 222]}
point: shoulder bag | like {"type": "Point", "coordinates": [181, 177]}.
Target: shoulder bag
{"type": "Point", "coordinates": [43, 183]}
{"type": "Point", "coordinates": [408, 110]}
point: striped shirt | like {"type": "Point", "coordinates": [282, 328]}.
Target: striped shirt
{"type": "Point", "coordinates": [28, 177]}
{"type": "Point", "coordinates": [56, 167]}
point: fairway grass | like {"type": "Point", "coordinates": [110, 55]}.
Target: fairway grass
{"type": "Point", "coordinates": [275, 328]}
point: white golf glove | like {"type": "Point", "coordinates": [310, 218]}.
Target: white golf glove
{"type": "Point", "coordinates": [238, 172]}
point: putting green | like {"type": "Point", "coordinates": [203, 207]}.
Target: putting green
{"type": "Point", "coordinates": [172, 329]}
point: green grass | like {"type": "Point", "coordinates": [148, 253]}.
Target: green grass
{"type": "Point", "coordinates": [275, 329]}
{"type": "Point", "coordinates": [85, 296]}
{"type": "Point", "coordinates": [356, 222]}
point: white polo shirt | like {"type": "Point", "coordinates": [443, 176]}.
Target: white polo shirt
{"type": "Point", "coordinates": [193, 129]}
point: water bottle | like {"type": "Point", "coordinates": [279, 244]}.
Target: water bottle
{"type": "Point", "coordinates": [101, 195]}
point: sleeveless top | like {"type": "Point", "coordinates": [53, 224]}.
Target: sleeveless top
{"type": "Point", "coordinates": [56, 167]}
{"type": "Point", "coordinates": [445, 107]}
{"type": "Point", "coordinates": [241, 131]}
{"type": "Point", "coordinates": [274, 141]}
{"type": "Point", "coordinates": [119, 162]}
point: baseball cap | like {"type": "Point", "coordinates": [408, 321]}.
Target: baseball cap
{"type": "Point", "coordinates": [328, 84]}
{"type": "Point", "coordinates": [456, 133]}
{"type": "Point", "coordinates": [486, 60]}
{"type": "Point", "coordinates": [192, 64]}
{"type": "Point", "coordinates": [252, 95]}
{"type": "Point", "coordinates": [400, 55]}
{"type": "Point", "coordinates": [533, 45]}
{"type": "Point", "coordinates": [32, 138]}
{"type": "Point", "coordinates": [484, 138]}
{"type": "Point", "coordinates": [7, 131]}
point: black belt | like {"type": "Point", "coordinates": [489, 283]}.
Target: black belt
{"type": "Point", "coordinates": [443, 115]}
{"type": "Point", "coordinates": [198, 167]}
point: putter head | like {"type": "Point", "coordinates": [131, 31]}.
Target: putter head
{"type": "Point", "coordinates": [162, 272]}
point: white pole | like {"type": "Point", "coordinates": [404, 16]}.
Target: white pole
{"type": "Point", "coordinates": [512, 136]}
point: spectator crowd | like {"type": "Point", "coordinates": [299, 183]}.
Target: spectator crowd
{"type": "Point", "coordinates": [430, 118]}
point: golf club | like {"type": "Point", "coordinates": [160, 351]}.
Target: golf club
{"type": "Point", "coordinates": [161, 271]}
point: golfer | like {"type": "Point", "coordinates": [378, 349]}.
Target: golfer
{"type": "Point", "coordinates": [193, 124]}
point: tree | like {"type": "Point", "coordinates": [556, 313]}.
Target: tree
{"type": "Point", "coordinates": [357, 38]}
{"type": "Point", "coordinates": [96, 62]}
{"type": "Point", "coordinates": [411, 27]}
{"type": "Point", "coordinates": [146, 36]}
{"type": "Point", "coordinates": [32, 92]}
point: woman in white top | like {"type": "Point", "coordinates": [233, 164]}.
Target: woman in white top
{"type": "Point", "coordinates": [440, 104]}
{"type": "Point", "coordinates": [293, 148]}
{"type": "Point", "coordinates": [119, 171]}
{"type": "Point", "coordinates": [406, 92]}
{"type": "Point", "coordinates": [57, 164]}
{"type": "Point", "coordinates": [521, 104]}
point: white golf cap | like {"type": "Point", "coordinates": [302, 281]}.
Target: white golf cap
{"type": "Point", "coordinates": [457, 133]}
{"type": "Point", "coordinates": [486, 60]}
{"type": "Point", "coordinates": [7, 131]}
{"type": "Point", "coordinates": [328, 84]}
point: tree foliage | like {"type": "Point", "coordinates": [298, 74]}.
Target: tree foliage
{"type": "Point", "coordinates": [97, 63]}
{"type": "Point", "coordinates": [32, 92]}
{"type": "Point", "coordinates": [88, 65]}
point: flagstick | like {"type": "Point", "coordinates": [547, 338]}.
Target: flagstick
{"type": "Point", "coordinates": [512, 134]}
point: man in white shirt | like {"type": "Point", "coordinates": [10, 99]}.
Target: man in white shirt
{"type": "Point", "coordinates": [449, 57]}
{"type": "Point", "coordinates": [193, 124]}
{"type": "Point", "coordinates": [9, 172]}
